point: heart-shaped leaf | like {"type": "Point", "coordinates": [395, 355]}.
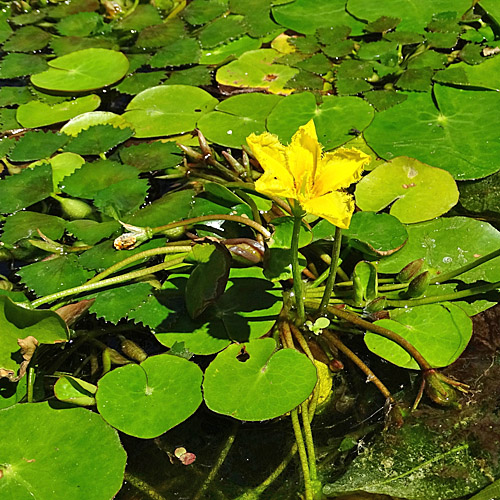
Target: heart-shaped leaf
{"type": "Point", "coordinates": [147, 400]}
{"type": "Point", "coordinates": [253, 382]}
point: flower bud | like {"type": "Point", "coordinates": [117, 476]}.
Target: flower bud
{"type": "Point", "coordinates": [133, 351]}
{"type": "Point", "coordinates": [75, 209]}
{"type": "Point", "coordinates": [418, 285]}
{"type": "Point", "coordinates": [136, 236]}
{"type": "Point", "coordinates": [376, 305]}
{"type": "Point", "coordinates": [440, 389]}
{"type": "Point", "coordinates": [410, 271]}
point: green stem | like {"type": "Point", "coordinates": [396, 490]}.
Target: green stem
{"type": "Point", "coordinates": [311, 454]}
{"type": "Point", "coordinates": [441, 278]}
{"type": "Point", "coordinates": [333, 271]}
{"type": "Point", "coordinates": [218, 464]}
{"type": "Point", "coordinates": [138, 256]}
{"type": "Point", "coordinates": [462, 294]}
{"type": "Point", "coordinates": [296, 273]}
{"type": "Point", "coordinates": [299, 439]}
{"type": "Point", "coordinates": [143, 487]}
{"type": "Point", "coordinates": [384, 332]}
{"type": "Point", "coordinates": [104, 283]}
{"type": "Point", "coordinates": [30, 384]}
{"type": "Point", "coordinates": [195, 220]}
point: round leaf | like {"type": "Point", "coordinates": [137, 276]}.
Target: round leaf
{"type": "Point", "coordinates": [167, 110]}
{"type": "Point", "coordinates": [446, 244]}
{"type": "Point", "coordinates": [85, 120]}
{"type": "Point", "coordinates": [63, 459]}
{"type": "Point", "coordinates": [439, 332]}
{"type": "Point", "coordinates": [441, 137]}
{"type": "Point", "coordinates": [83, 70]}
{"type": "Point", "coordinates": [147, 400]}
{"type": "Point", "coordinates": [253, 382]}
{"type": "Point", "coordinates": [415, 191]}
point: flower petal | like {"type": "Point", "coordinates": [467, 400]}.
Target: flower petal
{"type": "Point", "coordinates": [339, 169]}
{"type": "Point", "coordinates": [302, 156]}
{"type": "Point", "coordinates": [276, 179]}
{"type": "Point", "coordinates": [336, 207]}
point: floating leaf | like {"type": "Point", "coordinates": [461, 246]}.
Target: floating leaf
{"type": "Point", "coordinates": [83, 70]}
{"type": "Point", "coordinates": [415, 191]}
{"type": "Point", "coordinates": [17, 322]}
{"type": "Point", "coordinates": [306, 16]}
{"type": "Point", "coordinates": [416, 128]}
{"type": "Point", "coordinates": [67, 44]}
{"type": "Point", "coordinates": [202, 11]}
{"type": "Point", "coordinates": [10, 96]}
{"type": "Point", "coordinates": [178, 53]}
{"type": "Point", "coordinates": [282, 235]}
{"type": "Point", "coordinates": [81, 24]}
{"type": "Point", "coordinates": [482, 195]}
{"type": "Point", "coordinates": [56, 463]}
{"type": "Point", "coordinates": [167, 110]}
{"type": "Point", "coordinates": [38, 114]}
{"type": "Point", "coordinates": [26, 188]}
{"type": "Point", "coordinates": [63, 165]}
{"type": "Point", "coordinates": [375, 234]}
{"type": "Point", "coordinates": [447, 244]}
{"type": "Point", "coordinates": [334, 118]}
{"type": "Point", "coordinates": [114, 304]}
{"type": "Point", "coordinates": [221, 30]}
{"type": "Point", "coordinates": [138, 82]}
{"type": "Point", "coordinates": [27, 39]}
{"type": "Point", "coordinates": [230, 50]}
{"type": "Point", "coordinates": [440, 333]}
{"type": "Point", "coordinates": [98, 139]}
{"type": "Point", "coordinates": [256, 16]}
{"type": "Point", "coordinates": [143, 15]}
{"type": "Point", "coordinates": [86, 120]}
{"type": "Point", "coordinates": [50, 276]}
{"type": "Point", "coordinates": [14, 65]}
{"type": "Point", "coordinates": [73, 7]}
{"type": "Point", "coordinates": [195, 76]}
{"type": "Point", "coordinates": [74, 391]}
{"type": "Point", "coordinates": [236, 118]}
{"type": "Point", "coordinates": [257, 69]}
{"type": "Point", "coordinates": [24, 224]}
{"type": "Point", "coordinates": [35, 145]}
{"type": "Point", "coordinates": [252, 382]}
{"type": "Point", "coordinates": [90, 231]}
{"type": "Point", "coordinates": [147, 400]}
{"type": "Point", "coordinates": [485, 75]}
{"type": "Point", "coordinates": [148, 157]}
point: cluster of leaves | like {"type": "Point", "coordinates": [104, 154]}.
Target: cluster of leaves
{"type": "Point", "coordinates": [91, 97]}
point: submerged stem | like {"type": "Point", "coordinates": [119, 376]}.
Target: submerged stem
{"type": "Point", "coordinates": [299, 439]}
{"type": "Point", "coordinates": [333, 271]}
{"type": "Point", "coordinates": [297, 275]}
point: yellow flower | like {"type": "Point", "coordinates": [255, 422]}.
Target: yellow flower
{"type": "Point", "coordinates": [302, 172]}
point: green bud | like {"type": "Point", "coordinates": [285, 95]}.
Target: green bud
{"type": "Point", "coordinates": [376, 305]}
{"type": "Point", "coordinates": [136, 236]}
{"type": "Point", "coordinates": [75, 209]}
{"type": "Point", "coordinates": [6, 285]}
{"type": "Point", "coordinates": [133, 351]}
{"type": "Point", "coordinates": [175, 233]}
{"type": "Point", "coordinates": [439, 389]}
{"type": "Point", "coordinates": [418, 285]}
{"type": "Point", "coordinates": [410, 271]}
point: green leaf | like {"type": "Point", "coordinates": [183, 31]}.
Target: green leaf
{"type": "Point", "coordinates": [63, 165]}
{"type": "Point", "coordinates": [230, 50]}
{"type": "Point", "coordinates": [26, 188]}
{"type": "Point", "coordinates": [374, 234]}
{"type": "Point", "coordinates": [147, 400]}
{"type": "Point", "coordinates": [11, 392]}
{"type": "Point", "coordinates": [81, 24]}
{"type": "Point", "coordinates": [365, 283]}
{"type": "Point", "coordinates": [208, 279]}
{"type": "Point", "coordinates": [153, 311]}
{"type": "Point", "coordinates": [305, 16]}
{"type": "Point", "coordinates": [485, 75]}
{"type": "Point", "coordinates": [196, 76]}
{"type": "Point", "coordinates": [38, 114]}
{"type": "Point", "coordinates": [8, 120]}
{"type": "Point", "coordinates": [482, 195]}
{"type": "Point", "coordinates": [491, 491]}
{"type": "Point", "coordinates": [202, 11]}
{"type": "Point", "coordinates": [416, 79]}
{"type": "Point", "coordinates": [35, 145]}
{"type": "Point", "coordinates": [87, 120]}
{"type": "Point", "coordinates": [57, 463]}
{"type": "Point", "coordinates": [148, 157]}
{"type": "Point", "coordinates": [447, 244]}
{"type": "Point", "coordinates": [413, 468]}
{"type": "Point", "coordinates": [91, 178]}
{"type": "Point", "coordinates": [414, 17]}
{"type": "Point", "coordinates": [24, 224]}
{"type": "Point", "coordinates": [83, 70]}
{"type": "Point", "coordinates": [439, 332]}
{"type": "Point", "coordinates": [256, 16]}
{"type": "Point", "coordinates": [17, 322]}
{"type": "Point", "coordinates": [257, 69]}
{"type": "Point", "coordinates": [27, 39]}
{"type": "Point", "coordinates": [334, 118]}
{"type": "Point", "coordinates": [115, 303]}
{"type": "Point", "coordinates": [50, 276]}
{"type": "Point", "coordinates": [144, 15]}
{"type": "Point", "coordinates": [98, 139]}
{"type": "Point", "coordinates": [237, 117]}
{"type": "Point", "coordinates": [415, 191]}
{"type": "Point", "coordinates": [252, 382]}
{"type": "Point", "coordinates": [282, 235]}
{"type": "Point", "coordinates": [74, 391]}
{"type": "Point", "coordinates": [416, 128]}
{"type": "Point", "coordinates": [67, 44]}
{"type": "Point", "coordinates": [90, 231]}
{"type": "Point", "coordinates": [73, 7]}
{"type": "Point", "coordinates": [122, 197]}
{"type": "Point", "coordinates": [167, 110]}
{"type": "Point", "coordinates": [221, 30]}
{"type": "Point", "coordinates": [10, 96]}
{"type": "Point", "coordinates": [161, 35]}
{"type": "Point", "coordinates": [178, 53]}
{"type": "Point", "coordinates": [136, 83]}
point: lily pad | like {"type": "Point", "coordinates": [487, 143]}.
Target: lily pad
{"type": "Point", "coordinates": [38, 114]}
{"type": "Point", "coordinates": [90, 231]}
{"type": "Point", "coordinates": [334, 118]}
{"type": "Point", "coordinates": [17, 322]}
{"type": "Point", "coordinates": [437, 136]}
{"type": "Point", "coordinates": [178, 53]}
{"type": "Point", "coordinates": [57, 463]}
{"type": "Point", "coordinates": [148, 157]}
{"type": "Point", "coordinates": [167, 110]}
{"type": "Point", "coordinates": [35, 145]}
{"type": "Point", "coordinates": [237, 117]}
{"type": "Point", "coordinates": [415, 191]}
{"type": "Point", "coordinates": [85, 120]}
{"type": "Point", "coordinates": [447, 244]}
{"type": "Point", "coordinates": [482, 195]}
{"type": "Point", "coordinates": [27, 39]}
{"type": "Point", "coordinates": [230, 50]}
{"type": "Point", "coordinates": [24, 224]}
{"type": "Point", "coordinates": [439, 332]}
{"type": "Point", "coordinates": [257, 69]}
{"type": "Point", "coordinates": [147, 400]}
{"type": "Point", "coordinates": [14, 65]}
{"type": "Point", "coordinates": [221, 30]}
{"type": "Point", "coordinates": [74, 391]}
{"type": "Point", "coordinates": [253, 382]}
{"type": "Point", "coordinates": [306, 16]}
{"type": "Point", "coordinates": [63, 165]}
{"type": "Point", "coordinates": [375, 234]}
{"type": "Point", "coordinates": [83, 70]}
